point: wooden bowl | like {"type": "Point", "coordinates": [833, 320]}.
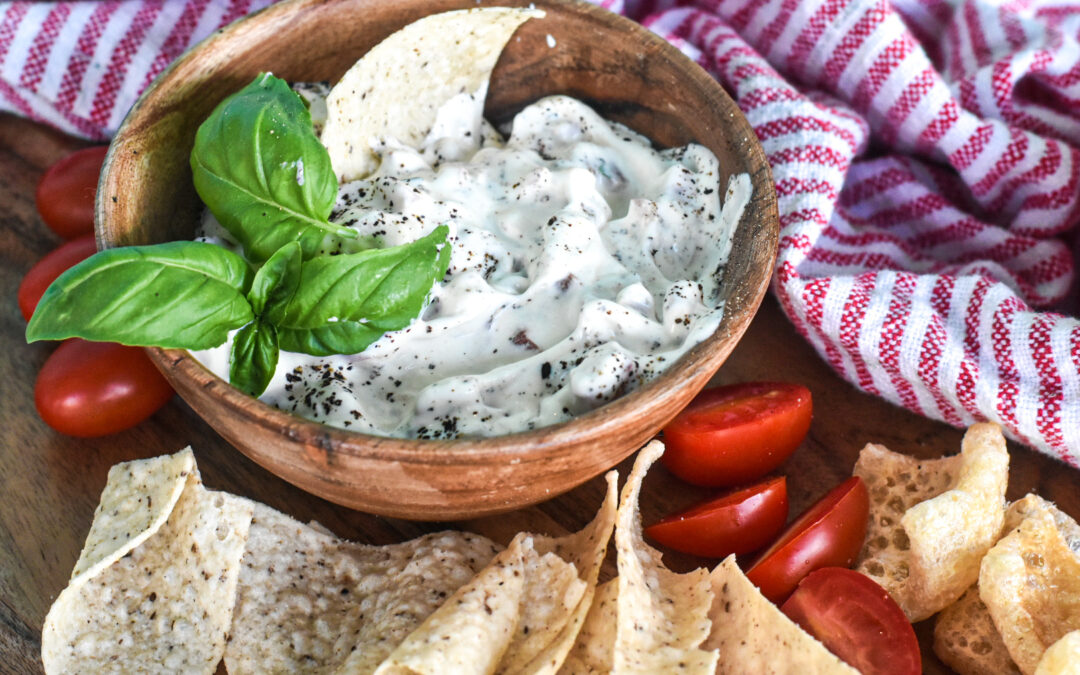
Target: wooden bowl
{"type": "Point", "coordinates": [627, 73]}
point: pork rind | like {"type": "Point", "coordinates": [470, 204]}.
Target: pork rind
{"type": "Point", "coordinates": [967, 641]}
{"type": "Point", "coordinates": [1062, 658]}
{"type": "Point", "coordinates": [157, 581]}
{"type": "Point", "coordinates": [931, 521]}
{"type": "Point", "coordinates": [310, 602]}
{"type": "Point", "coordinates": [396, 89]}
{"type": "Point", "coordinates": [1030, 584]}
{"type": "Point", "coordinates": [753, 636]}
{"type": "Point", "coordinates": [662, 616]}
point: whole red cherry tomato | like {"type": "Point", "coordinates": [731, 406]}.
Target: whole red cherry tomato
{"type": "Point", "coordinates": [735, 434]}
{"type": "Point", "coordinates": [65, 193]}
{"type": "Point", "coordinates": [828, 534]}
{"type": "Point", "coordinates": [98, 388]}
{"type": "Point", "coordinates": [857, 620]}
{"type": "Point", "coordinates": [737, 522]}
{"type": "Point", "coordinates": [55, 263]}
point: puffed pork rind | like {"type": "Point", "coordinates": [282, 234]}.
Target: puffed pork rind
{"type": "Point", "coordinates": [1062, 657]}
{"type": "Point", "coordinates": [752, 635]}
{"type": "Point", "coordinates": [310, 602]}
{"type": "Point", "coordinates": [966, 640]}
{"type": "Point", "coordinates": [931, 521]}
{"type": "Point", "coordinates": [396, 88]}
{"type": "Point", "coordinates": [965, 637]}
{"type": "Point", "coordinates": [1030, 584]}
{"type": "Point", "coordinates": [154, 586]}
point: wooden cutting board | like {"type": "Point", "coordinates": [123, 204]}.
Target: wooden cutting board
{"type": "Point", "coordinates": [49, 484]}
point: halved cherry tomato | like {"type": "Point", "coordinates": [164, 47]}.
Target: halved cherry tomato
{"type": "Point", "coordinates": [55, 263]}
{"type": "Point", "coordinates": [736, 434]}
{"type": "Point", "coordinates": [97, 388]}
{"type": "Point", "coordinates": [65, 193]}
{"type": "Point", "coordinates": [828, 534]}
{"type": "Point", "coordinates": [857, 620]}
{"type": "Point", "coordinates": [737, 522]}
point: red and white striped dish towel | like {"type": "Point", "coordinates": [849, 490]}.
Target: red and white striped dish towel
{"type": "Point", "coordinates": [926, 156]}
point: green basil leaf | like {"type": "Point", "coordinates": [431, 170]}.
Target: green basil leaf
{"type": "Point", "coordinates": [276, 282]}
{"type": "Point", "coordinates": [254, 357]}
{"type": "Point", "coordinates": [346, 302]}
{"type": "Point", "coordinates": [183, 294]}
{"type": "Point", "coordinates": [263, 173]}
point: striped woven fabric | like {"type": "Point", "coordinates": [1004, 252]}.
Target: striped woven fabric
{"type": "Point", "coordinates": [925, 154]}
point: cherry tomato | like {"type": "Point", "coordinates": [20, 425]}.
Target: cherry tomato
{"type": "Point", "coordinates": [98, 388]}
{"type": "Point", "coordinates": [65, 193]}
{"type": "Point", "coordinates": [738, 522]}
{"type": "Point", "coordinates": [48, 268]}
{"type": "Point", "coordinates": [736, 434]}
{"type": "Point", "coordinates": [857, 620]}
{"type": "Point", "coordinates": [828, 534]}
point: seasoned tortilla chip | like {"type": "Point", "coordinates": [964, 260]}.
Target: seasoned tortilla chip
{"type": "Point", "coordinates": [310, 602]}
{"type": "Point", "coordinates": [753, 636]}
{"type": "Point", "coordinates": [967, 641]}
{"type": "Point", "coordinates": [1030, 584]}
{"type": "Point", "coordinates": [1062, 658]}
{"type": "Point", "coordinates": [543, 651]}
{"type": "Point", "coordinates": [932, 521]}
{"type": "Point", "coordinates": [473, 628]}
{"type": "Point", "coordinates": [138, 498]}
{"type": "Point", "coordinates": [167, 602]}
{"type": "Point", "coordinates": [662, 616]}
{"type": "Point", "coordinates": [397, 87]}
{"type": "Point", "coordinates": [593, 651]}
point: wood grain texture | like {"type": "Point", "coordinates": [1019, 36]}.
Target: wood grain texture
{"type": "Point", "coordinates": [637, 78]}
{"type": "Point", "coordinates": [50, 484]}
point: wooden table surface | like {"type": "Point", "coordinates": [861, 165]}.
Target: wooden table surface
{"type": "Point", "coordinates": [49, 484]}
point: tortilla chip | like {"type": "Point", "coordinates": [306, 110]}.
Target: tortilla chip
{"type": "Point", "coordinates": [593, 652]}
{"type": "Point", "coordinates": [163, 597]}
{"type": "Point", "coordinates": [473, 628]}
{"type": "Point", "coordinates": [397, 87]}
{"type": "Point", "coordinates": [1062, 658]}
{"type": "Point", "coordinates": [967, 641]}
{"type": "Point", "coordinates": [308, 601]}
{"type": "Point", "coordinates": [932, 521]}
{"type": "Point", "coordinates": [545, 650]}
{"type": "Point", "coordinates": [138, 498]}
{"type": "Point", "coordinates": [752, 635]}
{"type": "Point", "coordinates": [1030, 583]}
{"type": "Point", "coordinates": [662, 616]}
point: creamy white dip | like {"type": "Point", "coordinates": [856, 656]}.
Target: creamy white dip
{"type": "Point", "coordinates": [584, 263]}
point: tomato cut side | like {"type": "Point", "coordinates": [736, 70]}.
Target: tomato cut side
{"type": "Point", "coordinates": [736, 434]}
{"type": "Point", "coordinates": [828, 534]}
{"type": "Point", "coordinates": [65, 193]}
{"type": "Point", "coordinates": [857, 620]}
{"type": "Point", "coordinates": [55, 263]}
{"type": "Point", "coordinates": [98, 388]}
{"type": "Point", "coordinates": [738, 522]}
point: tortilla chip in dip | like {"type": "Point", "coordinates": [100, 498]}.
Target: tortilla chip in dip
{"type": "Point", "coordinates": [754, 636]}
{"type": "Point", "coordinates": [308, 601]}
{"type": "Point", "coordinates": [396, 88]}
{"type": "Point", "coordinates": [155, 583]}
{"type": "Point", "coordinates": [931, 521]}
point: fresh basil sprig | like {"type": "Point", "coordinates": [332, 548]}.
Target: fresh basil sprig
{"type": "Point", "coordinates": [190, 295]}
{"type": "Point", "coordinates": [183, 294]}
{"type": "Point", "coordinates": [262, 172]}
